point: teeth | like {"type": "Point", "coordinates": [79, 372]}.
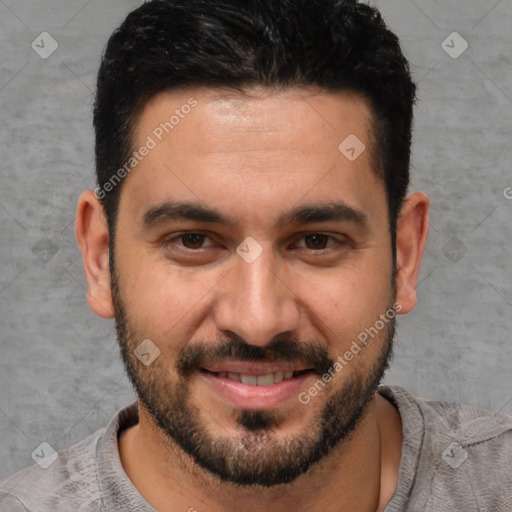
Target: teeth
{"type": "Point", "coordinates": [257, 380]}
{"type": "Point", "coordinates": [249, 379]}
{"type": "Point", "coordinates": [278, 377]}
{"type": "Point", "coordinates": [265, 380]}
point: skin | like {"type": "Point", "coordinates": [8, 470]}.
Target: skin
{"type": "Point", "coordinates": [254, 157]}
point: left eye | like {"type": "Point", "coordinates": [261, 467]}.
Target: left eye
{"type": "Point", "coordinates": [317, 241]}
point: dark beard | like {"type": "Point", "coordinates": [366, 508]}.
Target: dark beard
{"type": "Point", "coordinates": [259, 456]}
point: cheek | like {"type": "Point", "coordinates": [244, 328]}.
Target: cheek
{"type": "Point", "coordinates": [342, 303]}
{"type": "Point", "coordinates": [164, 300]}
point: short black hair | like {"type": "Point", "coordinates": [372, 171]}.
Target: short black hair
{"type": "Point", "coordinates": [336, 45]}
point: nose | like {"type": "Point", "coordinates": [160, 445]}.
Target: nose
{"type": "Point", "coordinates": [256, 301]}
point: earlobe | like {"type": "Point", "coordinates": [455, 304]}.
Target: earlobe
{"type": "Point", "coordinates": [91, 231]}
{"type": "Point", "coordinates": [412, 234]}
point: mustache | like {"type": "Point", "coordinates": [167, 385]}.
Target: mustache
{"type": "Point", "coordinates": [192, 358]}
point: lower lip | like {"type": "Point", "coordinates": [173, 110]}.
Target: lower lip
{"type": "Point", "coordinates": [244, 396]}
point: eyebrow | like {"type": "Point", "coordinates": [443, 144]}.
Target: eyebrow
{"type": "Point", "coordinates": [333, 211]}
{"type": "Point", "coordinates": [182, 210]}
{"type": "Point", "coordinates": [306, 214]}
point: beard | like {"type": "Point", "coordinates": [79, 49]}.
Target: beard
{"type": "Point", "coordinates": [259, 455]}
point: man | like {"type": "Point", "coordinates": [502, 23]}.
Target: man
{"type": "Point", "coordinates": [252, 237]}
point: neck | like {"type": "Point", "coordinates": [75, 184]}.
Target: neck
{"type": "Point", "coordinates": [359, 474]}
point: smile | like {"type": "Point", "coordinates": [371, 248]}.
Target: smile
{"type": "Point", "coordinates": [255, 385]}
{"type": "Point", "coordinates": [258, 380]}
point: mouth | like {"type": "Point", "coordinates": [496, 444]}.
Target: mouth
{"type": "Point", "coordinates": [255, 385]}
{"type": "Point", "coordinates": [267, 379]}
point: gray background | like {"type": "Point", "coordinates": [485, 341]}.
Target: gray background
{"type": "Point", "coordinates": [60, 376]}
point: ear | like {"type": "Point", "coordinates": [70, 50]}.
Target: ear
{"type": "Point", "coordinates": [412, 233]}
{"type": "Point", "coordinates": [91, 231]}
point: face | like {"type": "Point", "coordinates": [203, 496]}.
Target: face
{"type": "Point", "coordinates": [254, 253]}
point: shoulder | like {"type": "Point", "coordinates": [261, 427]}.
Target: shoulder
{"type": "Point", "coordinates": [469, 423]}
{"type": "Point", "coordinates": [70, 482]}
{"type": "Point", "coordinates": [76, 479]}
{"type": "Point", "coordinates": [465, 453]}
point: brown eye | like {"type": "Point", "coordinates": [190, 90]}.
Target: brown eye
{"type": "Point", "coordinates": [316, 241]}
{"type": "Point", "coordinates": [192, 240]}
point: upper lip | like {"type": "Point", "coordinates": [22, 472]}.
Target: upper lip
{"type": "Point", "coordinates": [254, 367]}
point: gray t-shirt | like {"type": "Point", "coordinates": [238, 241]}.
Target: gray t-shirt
{"type": "Point", "coordinates": [454, 458]}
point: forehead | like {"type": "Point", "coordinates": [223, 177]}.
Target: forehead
{"type": "Point", "coordinates": [232, 149]}
{"type": "Point", "coordinates": [302, 113]}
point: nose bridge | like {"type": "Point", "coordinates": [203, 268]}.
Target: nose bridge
{"type": "Point", "coordinates": [255, 303]}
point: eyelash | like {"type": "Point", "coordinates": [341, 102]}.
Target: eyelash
{"type": "Point", "coordinates": [171, 240]}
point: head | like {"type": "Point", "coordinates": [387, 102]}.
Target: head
{"type": "Point", "coordinates": [250, 216]}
